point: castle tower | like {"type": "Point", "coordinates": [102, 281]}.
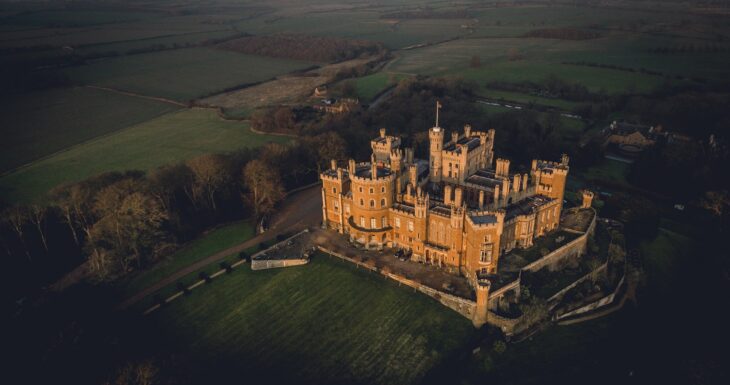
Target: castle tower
{"type": "Point", "coordinates": [502, 169]}
{"type": "Point", "coordinates": [436, 145]}
{"type": "Point", "coordinates": [482, 309]}
{"type": "Point", "coordinates": [587, 199]}
{"type": "Point", "coordinates": [396, 158]}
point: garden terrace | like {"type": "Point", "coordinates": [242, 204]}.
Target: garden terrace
{"type": "Point", "coordinates": [577, 219]}
{"type": "Point", "coordinates": [545, 245]}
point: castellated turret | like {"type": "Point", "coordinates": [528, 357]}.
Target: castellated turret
{"type": "Point", "coordinates": [436, 145]}
{"type": "Point", "coordinates": [587, 199]}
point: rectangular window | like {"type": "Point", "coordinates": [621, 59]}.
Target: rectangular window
{"type": "Point", "coordinates": [486, 254]}
{"type": "Point", "coordinates": [410, 225]}
{"type": "Point", "coordinates": [397, 223]}
{"type": "Point", "coordinates": [373, 223]}
{"type": "Point", "coordinates": [362, 221]}
{"type": "Point", "coordinates": [384, 221]}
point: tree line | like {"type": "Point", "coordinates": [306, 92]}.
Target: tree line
{"type": "Point", "coordinates": [302, 47]}
{"type": "Point", "coordinates": [119, 222]}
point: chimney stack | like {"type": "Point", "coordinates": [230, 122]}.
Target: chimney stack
{"type": "Point", "coordinates": [351, 167]}
{"type": "Point", "coordinates": [382, 132]}
{"type": "Point", "coordinates": [447, 194]}
{"type": "Point", "coordinates": [481, 199]}
{"type": "Point", "coordinates": [467, 130]}
{"type": "Point", "coordinates": [333, 164]}
{"type": "Point", "coordinates": [455, 136]}
{"type": "Point", "coordinates": [457, 196]}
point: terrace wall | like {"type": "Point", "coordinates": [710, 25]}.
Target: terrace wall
{"type": "Point", "coordinates": [577, 246]}
{"type": "Point", "coordinates": [277, 263]}
{"type": "Point", "coordinates": [460, 305]}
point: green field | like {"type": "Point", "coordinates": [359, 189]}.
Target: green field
{"type": "Point", "coordinates": [528, 99]}
{"type": "Point", "coordinates": [368, 87]}
{"type": "Point", "coordinates": [169, 138]}
{"type": "Point", "coordinates": [663, 259]}
{"type": "Point", "coordinates": [522, 59]}
{"type": "Point", "coordinates": [208, 244]}
{"type": "Point", "coordinates": [609, 170]}
{"type": "Point", "coordinates": [41, 123]}
{"type": "Point", "coordinates": [182, 74]}
{"type": "Point", "coordinates": [325, 322]}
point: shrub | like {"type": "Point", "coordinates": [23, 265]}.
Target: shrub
{"type": "Point", "coordinates": [243, 256]}
{"type": "Point", "coordinates": [499, 347]}
{"type": "Point", "coordinates": [262, 246]}
{"type": "Point", "coordinates": [227, 266]}
{"type": "Point", "coordinates": [181, 286]}
{"type": "Point", "coordinates": [204, 276]}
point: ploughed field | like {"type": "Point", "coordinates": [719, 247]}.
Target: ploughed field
{"type": "Point", "coordinates": [325, 322]}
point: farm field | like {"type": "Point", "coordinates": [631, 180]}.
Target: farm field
{"type": "Point", "coordinates": [523, 98]}
{"type": "Point", "coordinates": [367, 25]}
{"type": "Point", "coordinates": [370, 86]}
{"type": "Point", "coordinates": [208, 244]}
{"type": "Point", "coordinates": [324, 322]}
{"type": "Point", "coordinates": [41, 123]}
{"type": "Point", "coordinates": [182, 74]}
{"type": "Point", "coordinates": [169, 138]}
{"type": "Point", "coordinates": [518, 60]}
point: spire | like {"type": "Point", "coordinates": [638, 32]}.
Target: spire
{"type": "Point", "coordinates": [438, 107]}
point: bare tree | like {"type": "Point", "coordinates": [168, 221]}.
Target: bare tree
{"type": "Point", "coordinates": [265, 185]}
{"type": "Point", "coordinates": [61, 198]}
{"type": "Point", "coordinates": [16, 217]}
{"type": "Point", "coordinates": [211, 175]}
{"type": "Point", "coordinates": [37, 215]}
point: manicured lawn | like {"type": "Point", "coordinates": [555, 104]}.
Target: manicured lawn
{"type": "Point", "coordinates": [167, 139]}
{"type": "Point", "coordinates": [609, 170]}
{"type": "Point", "coordinates": [325, 322]}
{"type": "Point", "coordinates": [209, 244]}
{"type": "Point", "coordinates": [182, 74]}
{"type": "Point", "coordinates": [40, 123]}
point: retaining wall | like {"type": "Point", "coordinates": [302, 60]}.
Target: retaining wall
{"type": "Point", "coordinates": [277, 263]}
{"type": "Point", "coordinates": [460, 305]}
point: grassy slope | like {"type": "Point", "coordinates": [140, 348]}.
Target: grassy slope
{"type": "Point", "coordinates": [325, 321]}
{"type": "Point", "coordinates": [41, 123]}
{"type": "Point", "coordinates": [170, 138]}
{"type": "Point", "coordinates": [609, 170]}
{"type": "Point", "coordinates": [182, 74]}
{"type": "Point", "coordinates": [209, 244]}
{"type": "Point", "coordinates": [367, 87]}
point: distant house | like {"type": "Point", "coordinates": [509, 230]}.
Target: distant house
{"type": "Point", "coordinates": [337, 106]}
{"type": "Point", "coordinates": [631, 135]}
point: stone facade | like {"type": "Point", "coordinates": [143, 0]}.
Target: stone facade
{"type": "Point", "coordinates": [460, 209]}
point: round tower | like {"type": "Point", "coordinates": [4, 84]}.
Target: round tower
{"type": "Point", "coordinates": [436, 141]}
{"type": "Point", "coordinates": [481, 310]}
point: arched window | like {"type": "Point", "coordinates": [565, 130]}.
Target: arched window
{"type": "Point", "coordinates": [382, 189]}
{"type": "Point", "coordinates": [362, 203]}
{"type": "Point", "coordinates": [359, 189]}
{"type": "Point", "coordinates": [372, 190]}
{"type": "Point", "coordinates": [334, 190]}
{"type": "Point", "coordinates": [372, 203]}
{"type": "Point", "coordinates": [382, 202]}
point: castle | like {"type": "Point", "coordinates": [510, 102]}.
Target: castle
{"type": "Point", "coordinates": [461, 209]}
